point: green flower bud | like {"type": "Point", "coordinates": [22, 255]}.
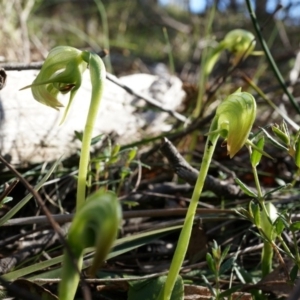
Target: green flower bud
{"type": "Point", "coordinates": [60, 73]}
{"type": "Point", "coordinates": [240, 43]}
{"type": "Point", "coordinates": [234, 118]}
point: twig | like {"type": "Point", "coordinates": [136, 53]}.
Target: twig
{"type": "Point", "coordinates": [190, 175]}
{"type": "Point", "coordinates": [148, 99]}
{"type": "Point", "coordinates": [60, 218]}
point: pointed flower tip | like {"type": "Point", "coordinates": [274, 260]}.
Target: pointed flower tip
{"type": "Point", "coordinates": [61, 73]}
{"type": "Point", "coordinates": [235, 117]}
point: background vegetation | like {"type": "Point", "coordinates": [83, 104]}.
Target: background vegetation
{"type": "Point", "coordinates": [139, 34]}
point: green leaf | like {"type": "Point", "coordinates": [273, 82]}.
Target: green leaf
{"type": "Point", "coordinates": [6, 200]}
{"type": "Point", "coordinates": [114, 157]}
{"type": "Point", "coordinates": [294, 273]}
{"type": "Point", "coordinates": [245, 188]}
{"type": "Point", "coordinates": [96, 139]}
{"type": "Point", "coordinates": [283, 136]}
{"type": "Point", "coordinates": [279, 188]}
{"type": "Point", "coordinates": [273, 141]}
{"type": "Point", "coordinates": [295, 226]}
{"type": "Point", "coordinates": [20, 204]}
{"type": "Point", "coordinates": [256, 215]}
{"type": "Point", "coordinates": [132, 154]}
{"type": "Point", "coordinates": [224, 253]}
{"type": "Point", "coordinates": [227, 265]}
{"type": "Point", "coordinates": [149, 289]}
{"type": "Point", "coordinates": [210, 262]}
{"type": "Point", "coordinates": [256, 155]}
{"type": "Point", "coordinates": [279, 226]}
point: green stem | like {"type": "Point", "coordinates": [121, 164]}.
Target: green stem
{"type": "Point", "coordinates": [270, 57]}
{"type": "Point", "coordinates": [70, 276]}
{"type": "Point", "coordinates": [257, 183]}
{"type": "Point", "coordinates": [285, 247]}
{"type": "Point", "coordinates": [97, 72]}
{"type": "Point", "coordinates": [185, 234]}
{"type": "Point", "coordinates": [266, 260]}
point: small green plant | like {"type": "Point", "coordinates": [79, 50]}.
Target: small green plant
{"type": "Point", "coordinates": [264, 215]}
{"type": "Point", "coordinates": [233, 121]}
{"type": "Point", "coordinates": [215, 262]}
{"type": "Point", "coordinates": [95, 225]}
{"type": "Point", "coordinates": [97, 219]}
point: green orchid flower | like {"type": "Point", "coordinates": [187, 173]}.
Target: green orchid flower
{"type": "Point", "coordinates": [61, 73]}
{"type": "Point", "coordinates": [239, 42]}
{"type": "Point", "coordinates": [234, 119]}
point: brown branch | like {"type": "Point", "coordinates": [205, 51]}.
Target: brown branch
{"type": "Point", "coordinates": [190, 175]}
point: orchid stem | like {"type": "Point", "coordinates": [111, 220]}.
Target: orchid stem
{"type": "Point", "coordinates": [97, 73]}
{"type": "Point", "coordinates": [185, 234]}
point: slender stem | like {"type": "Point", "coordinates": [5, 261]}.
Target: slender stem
{"type": "Point", "coordinates": [270, 57]}
{"type": "Point", "coordinates": [185, 234]}
{"type": "Point", "coordinates": [69, 284]}
{"type": "Point", "coordinates": [257, 183]}
{"type": "Point", "coordinates": [266, 259]}
{"type": "Point", "coordinates": [97, 72]}
{"type": "Point", "coordinates": [285, 247]}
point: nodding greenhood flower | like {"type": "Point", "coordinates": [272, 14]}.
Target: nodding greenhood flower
{"type": "Point", "coordinates": [234, 119]}
{"type": "Point", "coordinates": [240, 43]}
{"type": "Point", "coordinates": [60, 73]}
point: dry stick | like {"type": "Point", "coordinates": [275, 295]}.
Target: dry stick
{"type": "Point", "coordinates": [52, 222]}
{"type": "Point", "coordinates": [190, 175]}
{"type": "Point", "coordinates": [110, 77]}
{"type": "Point", "coordinates": [148, 99]}
{"type": "Point", "coordinates": [126, 215]}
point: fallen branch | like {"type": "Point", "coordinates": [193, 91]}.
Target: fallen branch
{"type": "Point", "coordinates": [190, 175]}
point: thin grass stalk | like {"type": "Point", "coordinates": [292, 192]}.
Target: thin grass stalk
{"type": "Point", "coordinates": [270, 57]}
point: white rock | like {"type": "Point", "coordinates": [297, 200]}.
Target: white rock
{"type": "Point", "coordinates": [30, 132]}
